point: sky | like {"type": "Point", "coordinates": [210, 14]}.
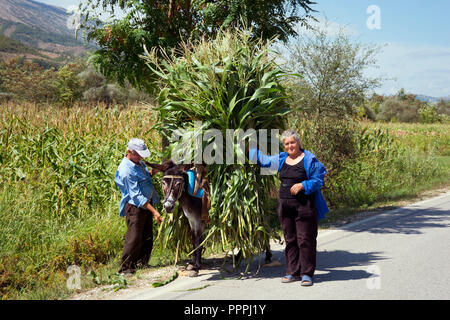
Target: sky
{"type": "Point", "coordinates": [414, 35]}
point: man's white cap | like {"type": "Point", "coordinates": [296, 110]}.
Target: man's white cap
{"type": "Point", "coordinates": [139, 146]}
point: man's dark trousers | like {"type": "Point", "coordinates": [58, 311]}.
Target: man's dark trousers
{"type": "Point", "coordinates": [138, 238]}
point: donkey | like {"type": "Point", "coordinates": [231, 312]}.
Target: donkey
{"type": "Point", "coordinates": [174, 184]}
{"type": "Point", "coordinates": [175, 188]}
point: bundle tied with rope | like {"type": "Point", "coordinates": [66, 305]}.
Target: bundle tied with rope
{"type": "Point", "coordinates": [230, 82]}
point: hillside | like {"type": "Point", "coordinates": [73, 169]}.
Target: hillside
{"type": "Point", "coordinates": [39, 26]}
{"type": "Point", "coordinates": [12, 46]}
{"type": "Point", "coordinates": [10, 49]}
{"type": "Point", "coordinates": [432, 99]}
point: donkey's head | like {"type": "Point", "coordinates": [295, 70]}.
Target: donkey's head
{"type": "Point", "coordinates": [173, 183]}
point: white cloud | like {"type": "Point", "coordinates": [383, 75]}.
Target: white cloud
{"type": "Point", "coordinates": [417, 69]}
{"type": "Point", "coordinates": [332, 28]}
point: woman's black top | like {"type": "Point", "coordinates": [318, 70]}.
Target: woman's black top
{"type": "Point", "coordinates": [290, 175]}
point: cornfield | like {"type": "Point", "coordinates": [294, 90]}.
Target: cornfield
{"type": "Point", "coordinates": [65, 154]}
{"type": "Point", "coordinates": [58, 200]}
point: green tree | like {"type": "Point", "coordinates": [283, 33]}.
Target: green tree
{"type": "Point", "coordinates": [398, 109]}
{"type": "Point", "coordinates": [332, 81]}
{"type": "Point", "coordinates": [331, 87]}
{"type": "Point", "coordinates": [67, 86]}
{"type": "Point", "coordinates": [167, 23]}
{"type": "Point", "coordinates": [428, 113]}
{"type": "Point", "coordinates": [27, 81]}
{"type": "Point", "coordinates": [443, 106]}
{"type": "Point", "coordinates": [401, 94]}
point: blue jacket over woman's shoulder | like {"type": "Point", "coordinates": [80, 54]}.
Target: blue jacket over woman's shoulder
{"type": "Point", "coordinates": [315, 172]}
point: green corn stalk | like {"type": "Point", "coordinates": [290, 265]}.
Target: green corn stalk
{"type": "Point", "coordinates": [229, 83]}
{"type": "Point", "coordinates": [72, 168]}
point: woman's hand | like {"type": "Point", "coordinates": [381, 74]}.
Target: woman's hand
{"type": "Point", "coordinates": [296, 188]}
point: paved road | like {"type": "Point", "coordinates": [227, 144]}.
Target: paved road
{"type": "Point", "coordinates": [399, 254]}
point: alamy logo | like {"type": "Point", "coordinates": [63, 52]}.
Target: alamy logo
{"type": "Point", "coordinates": [374, 281]}
{"type": "Point", "coordinates": [74, 279]}
{"type": "Point", "coordinates": [374, 20]}
{"type": "Point", "coordinates": [212, 146]}
{"type": "Point", "coordinates": [73, 22]}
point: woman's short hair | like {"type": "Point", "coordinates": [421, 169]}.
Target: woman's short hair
{"type": "Point", "coordinates": [291, 133]}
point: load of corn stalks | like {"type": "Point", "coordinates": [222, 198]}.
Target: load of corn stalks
{"type": "Point", "coordinates": [231, 82]}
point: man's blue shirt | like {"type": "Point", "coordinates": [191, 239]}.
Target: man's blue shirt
{"type": "Point", "coordinates": [135, 183]}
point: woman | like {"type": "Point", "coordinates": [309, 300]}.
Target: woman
{"type": "Point", "coordinates": [300, 205]}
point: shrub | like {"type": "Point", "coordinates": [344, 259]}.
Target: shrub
{"type": "Point", "coordinates": [394, 109]}
{"type": "Point", "coordinates": [333, 74]}
{"type": "Point", "coordinates": [428, 114]}
{"type": "Point", "coordinates": [331, 140]}
{"type": "Point", "coordinates": [108, 94]}
{"type": "Point", "coordinates": [67, 86]}
{"type": "Point", "coordinates": [28, 81]}
{"type": "Point", "coordinates": [443, 107]}
{"type": "Point", "coordinates": [90, 78]}
{"type": "Point", "coordinates": [382, 168]}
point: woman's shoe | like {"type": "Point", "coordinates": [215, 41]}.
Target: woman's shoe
{"type": "Point", "coordinates": [306, 281]}
{"type": "Point", "coordinates": [289, 278]}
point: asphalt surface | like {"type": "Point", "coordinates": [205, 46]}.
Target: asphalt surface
{"type": "Point", "coordinates": [398, 254]}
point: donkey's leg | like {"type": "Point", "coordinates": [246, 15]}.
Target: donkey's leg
{"type": "Point", "coordinates": [197, 255]}
{"type": "Point", "coordinates": [199, 251]}
{"type": "Point", "coordinates": [194, 263]}
{"type": "Point", "coordinates": [268, 255]}
{"type": "Point", "coordinates": [191, 265]}
{"type": "Point", "coordinates": [192, 210]}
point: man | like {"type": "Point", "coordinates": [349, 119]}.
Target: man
{"type": "Point", "coordinates": [138, 197]}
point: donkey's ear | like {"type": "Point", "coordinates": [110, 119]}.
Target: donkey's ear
{"type": "Point", "coordinates": [186, 167]}
{"type": "Point", "coordinates": [167, 164]}
{"type": "Point", "coordinates": [160, 167]}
